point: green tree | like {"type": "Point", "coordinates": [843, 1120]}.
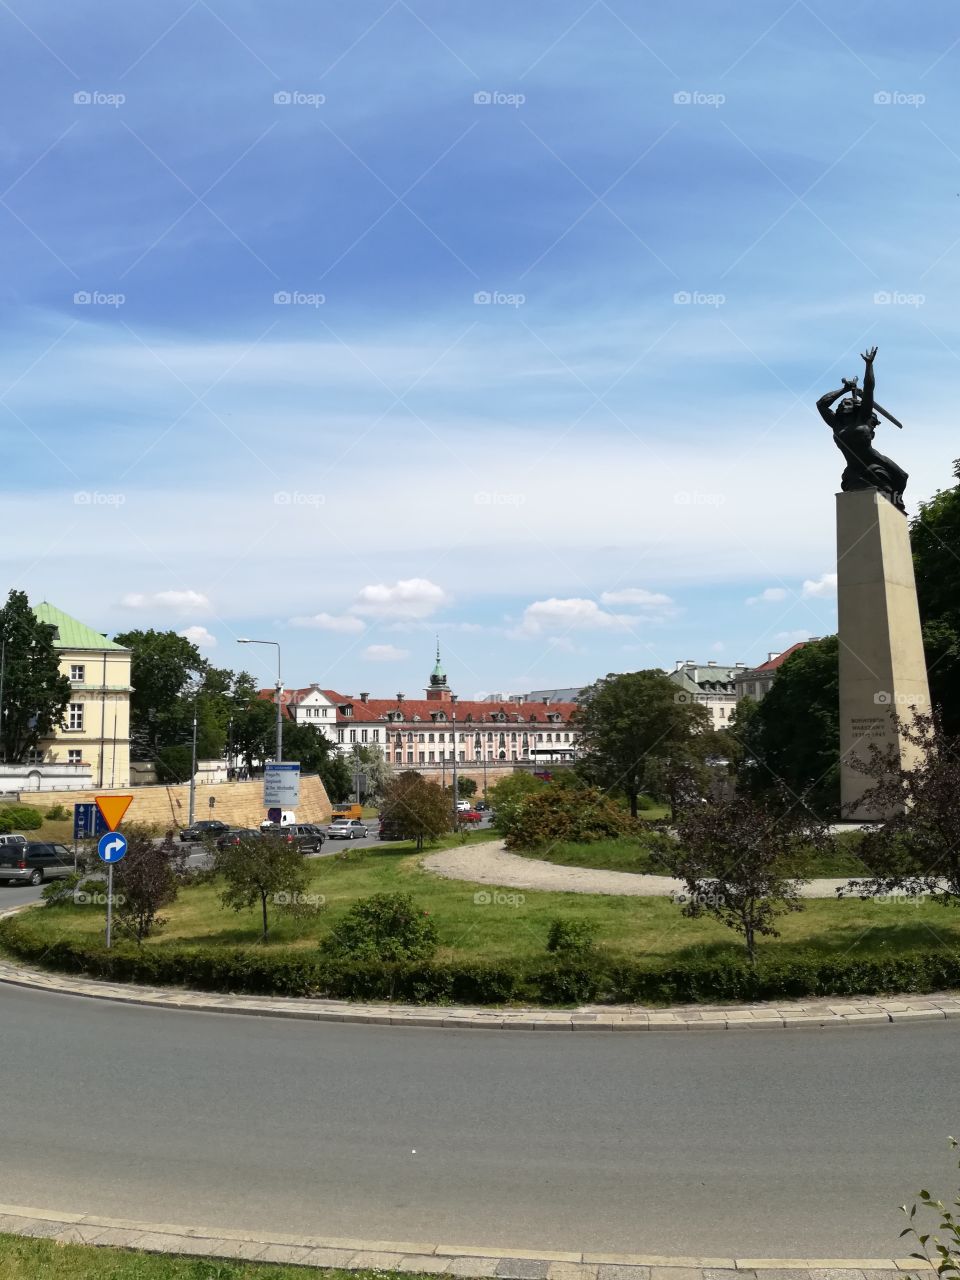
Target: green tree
{"type": "Point", "coordinates": [466, 787]}
{"type": "Point", "coordinates": [792, 738]}
{"type": "Point", "coordinates": [146, 880]}
{"type": "Point", "coordinates": [258, 870]}
{"type": "Point", "coordinates": [35, 694]}
{"type": "Point", "coordinates": [387, 928]}
{"type": "Point", "coordinates": [164, 667]}
{"type": "Point", "coordinates": [935, 537]}
{"type": "Point", "coordinates": [629, 721]}
{"type": "Point", "coordinates": [508, 794]}
{"type": "Point", "coordinates": [317, 754]}
{"type": "Point", "coordinates": [554, 814]}
{"type": "Point", "coordinates": [416, 809]}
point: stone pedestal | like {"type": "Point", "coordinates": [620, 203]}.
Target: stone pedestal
{"type": "Point", "coordinates": [882, 667]}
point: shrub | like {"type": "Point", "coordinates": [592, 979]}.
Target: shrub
{"type": "Point", "coordinates": [552, 814]}
{"type": "Point", "coordinates": [387, 927]}
{"type": "Point", "coordinates": [19, 817]}
{"type": "Point", "coordinates": [572, 938]}
{"type": "Point", "coordinates": [57, 813]}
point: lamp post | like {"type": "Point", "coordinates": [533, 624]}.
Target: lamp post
{"type": "Point", "coordinates": [3, 668]}
{"type": "Point", "coordinates": [193, 762]}
{"type": "Point", "coordinates": [279, 755]}
{"type": "Point", "coordinates": [456, 815]}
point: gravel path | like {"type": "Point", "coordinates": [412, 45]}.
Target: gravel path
{"type": "Point", "coordinates": [492, 864]}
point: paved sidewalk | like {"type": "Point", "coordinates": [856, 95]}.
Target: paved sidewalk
{"type": "Point", "coordinates": [492, 864]}
{"type": "Point", "coordinates": [856, 1011]}
{"type": "Point", "coordinates": [429, 1257]}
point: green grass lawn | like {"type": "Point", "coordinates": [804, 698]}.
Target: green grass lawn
{"type": "Point", "coordinates": [474, 921]}
{"type": "Point", "coordinates": [634, 855]}
{"type": "Point", "coordinates": [26, 1259]}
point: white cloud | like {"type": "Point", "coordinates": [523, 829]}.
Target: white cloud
{"type": "Point", "coordinates": [385, 653]}
{"type": "Point", "coordinates": [330, 622]}
{"type": "Point", "coordinates": [787, 638]}
{"type": "Point", "coordinates": [568, 615]}
{"type": "Point", "coordinates": [177, 601]}
{"type": "Point", "coordinates": [770, 595]}
{"type": "Point", "coordinates": [407, 598]}
{"type": "Point", "coordinates": [822, 587]}
{"type": "Point", "coordinates": [199, 636]}
{"type": "Point", "coordinates": [637, 596]}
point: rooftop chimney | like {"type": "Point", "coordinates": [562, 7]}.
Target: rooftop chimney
{"type": "Point", "coordinates": [454, 697]}
{"type": "Point", "coordinates": [741, 666]}
{"type": "Point", "coordinates": [364, 697]}
{"type": "Point", "coordinates": [399, 697]}
{"type": "Point", "coordinates": [771, 656]}
{"type": "Point", "coordinates": [711, 663]}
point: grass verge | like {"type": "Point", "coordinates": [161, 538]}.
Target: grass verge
{"type": "Point", "coordinates": [22, 1258]}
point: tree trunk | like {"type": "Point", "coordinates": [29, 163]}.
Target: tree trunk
{"type": "Point", "coordinates": [633, 795]}
{"type": "Point", "coordinates": [263, 903]}
{"type": "Point", "coordinates": [751, 944]}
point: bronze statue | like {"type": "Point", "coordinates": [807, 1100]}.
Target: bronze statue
{"type": "Point", "coordinates": [854, 423]}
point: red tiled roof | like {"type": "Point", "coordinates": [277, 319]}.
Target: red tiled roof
{"type": "Point", "coordinates": [375, 710]}
{"type": "Point", "coordinates": [773, 663]}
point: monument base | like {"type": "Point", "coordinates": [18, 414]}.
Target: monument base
{"type": "Point", "coordinates": [883, 672]}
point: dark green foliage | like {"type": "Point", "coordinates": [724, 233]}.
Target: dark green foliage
{"type": "Point", "coordinates": [629, 722]}
{"type": "Point", "coordinates": [260, 870]}
{"type": "Point", "coordinates": [935, 537]}
{"type": "Point", "coordinates": [35, 694]}
{"type": "Point", "coordinates": [57, 813]}
{"type": "Point", "coordinates": [19, 817]}
{"type": "Point", "coordinates": [572, 938]}
{"type": "Point", "coordinates": [466, 787]}
{"type": "Point", "coordinates": [792, 738]}
{"type": "Point", "coordinates": [386, 927]}
{"type": "Point", "coordinates": [555, 813]}
{"type": "Point", "coordinates": [415, 808]}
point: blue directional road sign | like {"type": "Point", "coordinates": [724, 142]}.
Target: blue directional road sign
{"type": "Point", "coordinates": [88, 822]}
{"type": "Point", "coordinates": [112, 846]}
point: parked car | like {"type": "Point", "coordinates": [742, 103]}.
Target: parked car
{"type": "Point", "coordinates": [463, 806]}
{"type": "Point", "coordinates": [235, 835]}
{"type": "Point", "coordinates": [33, 862]}
{"type": "Point", "coordinates": [12, 837]}
{"type": "Point", "coordinates": [390, 829]}
{"type": "Point", "coordinates": [482, 807]}
{"type": "Point", "coordinates": [346, 829]}
{"type": "Point", "coordinates": [209, 829]}
{"type": "Point", "coordinates": [471, 815]}
{"type": "Point", "coordinates": [307, 836]}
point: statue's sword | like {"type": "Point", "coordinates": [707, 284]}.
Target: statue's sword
{"type": "Point", "coordinates": [884, 413]}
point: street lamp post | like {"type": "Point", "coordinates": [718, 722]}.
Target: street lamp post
{"type": "Point", "coordinates": [193, 763]}
{"type": "Point", "coordinates": [279, 756]}
{"type": "Point", "coordinates": [3, 668]}
{"type": "Point", "coordinates": [456, 815]}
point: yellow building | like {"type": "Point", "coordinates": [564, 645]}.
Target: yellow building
{"type": "Point", "coordinates": [96, 723]}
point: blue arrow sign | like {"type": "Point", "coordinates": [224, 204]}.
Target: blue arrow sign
{"type": "Point", "coordinates": [112, 846]}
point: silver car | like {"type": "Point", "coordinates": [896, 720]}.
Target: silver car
{"type": "Point", "coordinates": [346, 829]}
{"type": "Point", "coordinates": [34, 862]}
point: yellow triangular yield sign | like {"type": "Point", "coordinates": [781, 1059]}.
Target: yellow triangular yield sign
{"type": "Point", "coordinates": [113, 808]}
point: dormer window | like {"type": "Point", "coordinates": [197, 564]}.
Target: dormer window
{"type": "Point", "coordinates": [347, 709]}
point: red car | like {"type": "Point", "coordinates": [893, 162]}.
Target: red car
{"type": "Point", "coordinates": [470, 815]}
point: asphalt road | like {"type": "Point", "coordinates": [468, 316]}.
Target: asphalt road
{"type": "Point", "coordinates": [777, 1143]}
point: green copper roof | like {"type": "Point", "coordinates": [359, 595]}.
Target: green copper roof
{"type": "Point", "coordinates": [439, 675]}
{"type": "Point", "coordinates": [71, 634]}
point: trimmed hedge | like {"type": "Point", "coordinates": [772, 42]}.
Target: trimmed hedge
{"type": "Point", "coordinates": [596, 978]}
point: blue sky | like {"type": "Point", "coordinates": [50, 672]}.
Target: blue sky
{"type": "Point", "coordinates": [349, 325]}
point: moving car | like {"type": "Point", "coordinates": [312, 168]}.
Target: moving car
{"type": "Point", "coordinates": [206, 830]}
{"type": "Point", "coordinates": [471, 815]}
{"type": "Point", "coordinates": [12, 837]}
{"type": "Point", "coordinates": [307, 836]}
{"type": "Point", "coordinates": [346, 829]}
{"type": "Point", "coordinates": [463, 806]}
{"type": "Point", "coordinates": [34, 862]}
{"type": "Point", "coordinates": [391, 829]}
{"type": "Point", "coordinates": [235, 835]}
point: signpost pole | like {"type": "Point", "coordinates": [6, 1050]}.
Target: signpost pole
{"type": "Point", "coordinates": [109, 901]}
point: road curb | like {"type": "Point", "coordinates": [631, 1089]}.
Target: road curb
{"type": "Point", "coordinates": [427, 1257]}
{"type": "Point", "coordinates": [814, 1014]}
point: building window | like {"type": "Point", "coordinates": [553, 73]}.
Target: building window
{"type": "Point", "coordinates": [752, 689]}
{"type": "Point", "coordinates": [376, 735]}
{"type": "Point", "coordinates": [409, 757]}
{"type": "Point", "coordinates": [339, 735]}
{"type": "Point", "coordinates": [75, 757]}
{"type": "Point", "coordinates": [77, 674]}
{"type": "Point", "coordinates": [463, 756]}
{"type": "Point", "coordinates": [75, 720]}
{"type": "Point", "coordinates": [419, 757]}
{"type": "Point", "coordinates": [430, 737]}
{"type": "Point", "coordinates": [419, 737]}
{"type": "Point", "coordinates": [353, 735]}
{"type": "Point", "coordinates": [363, 735]}
{"type": "Point", "coordinates": [35, 757]}
{"type": "Point", "coordinates": [432, 757]}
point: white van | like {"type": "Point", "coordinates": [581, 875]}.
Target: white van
{"type": "Point", "coordinates": [287, 819]}
{"type": "Point", "coordinates": [13, 838]}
